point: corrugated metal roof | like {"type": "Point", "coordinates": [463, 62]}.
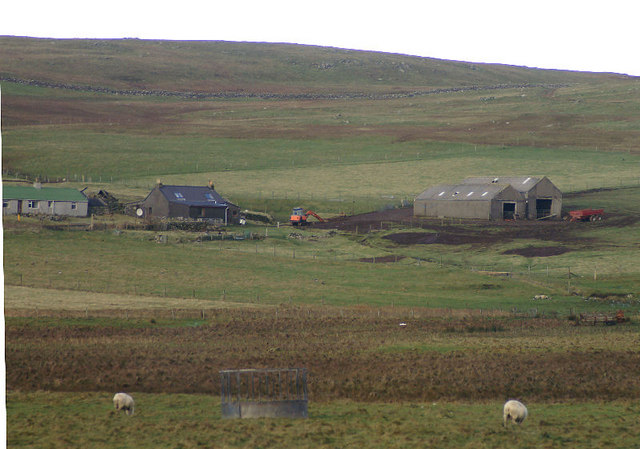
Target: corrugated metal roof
{"type": "Point", "coordinates": [520, 183]}
{"type": "Point", "coordinates": [42, 194]}
{"type": "Point", "coordinates": [193, 196]}
{"type": "Point", "coordinates": [463, 192]}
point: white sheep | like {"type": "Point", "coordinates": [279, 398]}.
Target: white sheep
{"type": "Point", "coordinates": [543, 297]}
{"type": "Point", "coordinates": [514, 411]}
{"type": "Point", "coordinates": [124, 402]}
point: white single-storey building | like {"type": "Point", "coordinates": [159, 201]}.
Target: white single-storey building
{"type": "Point", "coordinates": [38, 200]}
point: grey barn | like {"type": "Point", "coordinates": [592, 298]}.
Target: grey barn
{"type": "Point", "coordinates": [542, 198]}
{"type": "Point", "coordinates": [190, 202]}
{"type": "Point", "coordinates": [492, 198]}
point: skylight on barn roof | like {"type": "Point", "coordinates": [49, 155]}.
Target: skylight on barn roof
{"type": "Point", "coordinates": [178, 195]}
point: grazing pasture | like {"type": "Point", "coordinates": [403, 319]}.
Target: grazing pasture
{"type": "Point", "coordinates": [191, 421]}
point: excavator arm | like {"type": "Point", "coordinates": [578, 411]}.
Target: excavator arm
{"type": "Point", "coordinates": [313, 214]}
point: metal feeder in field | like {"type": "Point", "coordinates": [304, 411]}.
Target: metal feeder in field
{"type": "Point", "coordinates": [264, 393]}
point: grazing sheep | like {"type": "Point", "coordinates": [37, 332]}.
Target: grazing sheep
{"type": "Point", "coordinates": [543, 297]}
{"type": "Point", "coordinates": [514, 411]}
{"type": "Point", "coordinates": [124, 402]}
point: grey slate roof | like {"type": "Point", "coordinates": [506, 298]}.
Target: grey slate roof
{"type": "Point", "coordinates": [520, 183]}
{"type": "Point", "coordinates": [463, 192]}
{"type": "Point", "coordinates": [193, 196]}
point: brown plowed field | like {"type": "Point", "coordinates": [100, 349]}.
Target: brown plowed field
{"type": "Point", "coordinates": [360, 356]}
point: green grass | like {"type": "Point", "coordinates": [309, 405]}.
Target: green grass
{"type": "Point", "coordinates": [43, 419]}
{"type": "Point", "coordinates": [323, 271]}
{"type": "Point", "coordinates": [320, 268]}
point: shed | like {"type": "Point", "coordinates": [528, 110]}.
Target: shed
{"type": "Point", "coordinates": [543, 199]}
{"type": "Point", "coordinates": [189, 202]}
{"type": "Point", "coordinates": [38, 200]}
{"type": "Point", "coordinates": [483, 201]}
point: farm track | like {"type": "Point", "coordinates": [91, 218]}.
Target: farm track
{"type": "Point", "coordinates": [271, 95]}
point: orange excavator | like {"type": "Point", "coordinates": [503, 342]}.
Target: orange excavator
{"type": "Point", "coordinates": [299, 216]}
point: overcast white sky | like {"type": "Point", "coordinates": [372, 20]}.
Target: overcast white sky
{"type": "Point", "coordinates": [559, 34]}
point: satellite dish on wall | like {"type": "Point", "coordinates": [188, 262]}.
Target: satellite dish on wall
{"type": "Point", "coordinates": [139, 212]}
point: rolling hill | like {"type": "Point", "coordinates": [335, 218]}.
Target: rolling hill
{"type": "Point", "coordinates": [252, 68]}
{"type": "Point", "coordinates": [133, 111]}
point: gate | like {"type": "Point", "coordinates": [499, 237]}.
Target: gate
{"type": "Point", "coordinates": [264, 393]}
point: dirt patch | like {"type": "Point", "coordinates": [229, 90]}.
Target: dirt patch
{"type": "Point", "coordinates": [538, 251]}
{"type": "Point", "coordinates": [371, 221]}
{"type": "Point", "coordinates": [423, 238]}
{"type": "Point", "coordinates": [457, 231]}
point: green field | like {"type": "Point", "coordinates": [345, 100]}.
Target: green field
{"type": "Point", "coordinates": [96, 305]}
{"type": "Point", "coordinates": [190, 421]}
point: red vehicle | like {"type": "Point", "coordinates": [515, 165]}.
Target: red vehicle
{"type": "Point", "coordinates": [586, 214]}
{"type": "Point", "coordinates": [299, 216]}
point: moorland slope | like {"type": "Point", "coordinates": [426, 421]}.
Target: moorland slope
{"type": "Point", "coordinates": [244, 68]}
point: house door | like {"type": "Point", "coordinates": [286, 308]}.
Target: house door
{"type": "Point", "coordinates": [508, 211]}
{"type": "Point", "coordinates": [19, 207]}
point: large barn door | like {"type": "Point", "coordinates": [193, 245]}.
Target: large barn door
{"type": "Point", "coordinates": [543, 207]}
{"type": "Point", "coordinates": [508, 211]}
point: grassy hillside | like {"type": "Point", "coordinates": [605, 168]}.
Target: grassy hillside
{"type": "Point", "coordinates": [181, 66]}
{"type": "Point", "coordinates": [105, 111]}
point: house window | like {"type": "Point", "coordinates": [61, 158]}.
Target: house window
{"type": "Point", "coordinates": [209, 197]}
{"type": "Point", "coordinates": [178, 195]}
{"type": "Point", "coordinates": [74, 206]}
{"type": "Point", "coordinates": [32, 204]}
{"type": "Point", "coordinates": [49, 204]}
{"type": "Point", "coordinates": [5, 204]}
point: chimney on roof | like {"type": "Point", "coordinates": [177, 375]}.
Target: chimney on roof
{"type": "Point", "coordinates": [37, 185]}
{"type": "Point", "coordinates": [211, 184]}
{"type": "Point", "coordinates": [158, 182]}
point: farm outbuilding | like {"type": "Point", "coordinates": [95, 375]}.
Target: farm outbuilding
{"type": "Point", "coordinates": [189, 202]}
{"type": "Point", "coordinates": [38, 200]}
{"type": "Point", "coordinates": [483, 201]}
{"type": "Point", "coordinates": [543, 199]}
